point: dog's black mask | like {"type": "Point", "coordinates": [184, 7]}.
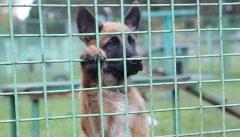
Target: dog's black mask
{"type": "Point", "coordinates": [114, 49]}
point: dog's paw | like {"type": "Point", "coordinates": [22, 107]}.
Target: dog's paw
{"type": "Point", "coordinates": [91, 54]}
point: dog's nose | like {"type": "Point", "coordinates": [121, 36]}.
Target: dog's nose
{"type": "Point", "coordinates": [135, 61]}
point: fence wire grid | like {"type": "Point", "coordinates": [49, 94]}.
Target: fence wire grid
{"type": "Point", "coordinates": [75, 116]}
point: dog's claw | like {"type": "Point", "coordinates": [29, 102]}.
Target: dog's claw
{"type": "Point", "coordinates": [86, 56]}
{"type": "Point", "coordinates": [98, 54]}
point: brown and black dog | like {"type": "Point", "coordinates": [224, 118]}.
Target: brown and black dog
{"type": "Point", "coordinates": [112, 75]}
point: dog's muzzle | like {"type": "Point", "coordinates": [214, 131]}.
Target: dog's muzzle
{"type": "Point", "coordinates": [137, 63]}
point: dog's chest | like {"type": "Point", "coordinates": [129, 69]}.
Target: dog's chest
{"type": "Point", "coordinates": [117, 124]}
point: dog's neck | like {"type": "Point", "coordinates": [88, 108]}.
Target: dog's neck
{"type": "Point", "coordinates": [111, 80]}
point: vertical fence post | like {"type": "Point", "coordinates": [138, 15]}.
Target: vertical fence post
{"type": "Point", "coordinates": [99, 68]}
{"type": "Point", "coordinates": [43, 66]}
{"type": "Point", "coordinates": [12, 115]}
{"type": "Point", "coordinates": [176, 99]}
{"type": "Point", "coordinates": [35, 114]}
{"type": "Point", "coordinates": [168, 45]}
{"type": "Point", "coordinates": [199, 67]}
{"type": "Point", "coordinates": [174, 103]}
{"type": "Point", "coordinates": [125, 67]}
{"type": "Point", "coordinates": [71, 65]}
{"type": "Point", "coordinates": [150, 63]}
{"type": "Point", "coordinates": [222, 67]}
{"type": "Point", "coordinates": [14, 69]}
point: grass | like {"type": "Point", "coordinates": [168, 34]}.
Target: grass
{"type": "Point", "coordinates": [190, 119]}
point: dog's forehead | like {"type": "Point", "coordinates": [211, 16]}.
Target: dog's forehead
{"type": "Point", "coordinates": [113, 27]}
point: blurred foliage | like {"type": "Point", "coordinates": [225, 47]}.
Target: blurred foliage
{"type": "Point", "coordinates": [4, 17]}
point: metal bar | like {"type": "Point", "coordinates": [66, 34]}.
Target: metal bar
{"type": "Point", "coordinates": [175, 69]}
{"type": "Point", "coordinates": [99, 69]}
{"type": "Point", "coordinates": [124, 67]}
{"type": "Point", "coordinates": [14, 69]}
{"type": "Point", "coordinates": [199, 68]}
{"type": "Point", "coordinates": [120, 59]}
{"type": "Point", "coordinates": [117, 5]}
{"type": "Point", "coordinates": [118, 33]}
{"type": "Point", "coordinates": [35, 114]}
{"type": "Point", "coordinates": [71, 66]}
{"type": "Point", "coordinates": [150, 64]}
{"type": "Point", "coordinates": [43, 66]}
{"type": "Point", "coordinates": [120, 86]}
{"type": "Point", "coordinates": [222, 68]}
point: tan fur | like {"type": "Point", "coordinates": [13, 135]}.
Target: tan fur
{"type": "Point", "coordinates": [111, 27]}
{"type": "Point", "coordinates": [115, 126]}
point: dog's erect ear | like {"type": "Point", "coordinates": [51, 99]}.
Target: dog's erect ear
{"type": "Point", "coordinates": [132, 18]}
{"type": "Point", "coordinates": [86, 24]}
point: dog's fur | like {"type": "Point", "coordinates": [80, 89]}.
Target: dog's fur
{"type": "Point", "coordinates": [112, 75]}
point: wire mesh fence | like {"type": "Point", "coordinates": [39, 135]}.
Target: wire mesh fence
{"type": "Point", "coordinates": [172, 58]}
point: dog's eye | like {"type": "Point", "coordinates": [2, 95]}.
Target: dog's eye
{"type": "Point", "coordinates": [112, 41]}
{"type": "Point", "coordinates": [131, 41]}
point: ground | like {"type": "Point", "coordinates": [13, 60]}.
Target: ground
{"type": "Point", "coordinates": [190, 119]}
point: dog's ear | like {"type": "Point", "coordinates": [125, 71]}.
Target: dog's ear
{"type": "Point", "coordinates": [132, 18]}
{"type": "Point", "coordinates": [86, 24]}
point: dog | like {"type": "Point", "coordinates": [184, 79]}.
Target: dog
{"type": "Point", "coordinates": [112, 75]}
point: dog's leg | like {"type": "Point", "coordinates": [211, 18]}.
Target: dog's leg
{"type": "Point", "coordinates": [90, 99]}
{"type": "Point", "coordinates": [89, 69]}
{"type": "Point", "coordinates": [91, 126]}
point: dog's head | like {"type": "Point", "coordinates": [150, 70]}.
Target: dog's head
{"type": "Point", "coordinates": [112, 44]}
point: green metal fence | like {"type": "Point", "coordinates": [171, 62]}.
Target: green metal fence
{"type": "Point", "coordinates": [74, 116]}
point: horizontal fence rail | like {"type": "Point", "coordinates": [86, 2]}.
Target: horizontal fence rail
{"type": "Point", "coordinates": [120, 59]}
{"type": "Point", "coordinates": [117, 5]}
{"type": "Point", "coordinates": [118, 33]}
